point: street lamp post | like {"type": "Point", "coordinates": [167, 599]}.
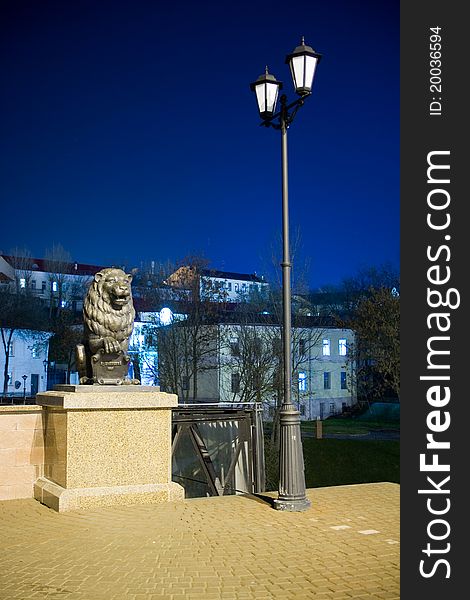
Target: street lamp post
{"type": "Point", "coordinates": [25, 377]}
{"type": "Point", "coordinates": [303, 62]}
{"type": "Point", "coordinates": [45, 362]}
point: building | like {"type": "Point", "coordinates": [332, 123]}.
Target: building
{"type": "Point", "coordinates": [249, 364]}
{"type": "Point", "coordinates": [241, 362]}
{"type": "Point", "coordinates": [56, 282]}
{"type": "Point", "coordinates": [221, 286]}
{"type": "Point", "coordinates": [27, 365]}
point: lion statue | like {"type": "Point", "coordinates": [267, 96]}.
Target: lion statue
{"type": "Point", "coordinates": [108, 315]}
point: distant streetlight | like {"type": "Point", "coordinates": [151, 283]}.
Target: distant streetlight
{"type": "Point", "coordinates": [303, 62]}
{"type": "Point", "coordinates": [25, 377]}
{"type": "Point", "coordinates": [45, 362]}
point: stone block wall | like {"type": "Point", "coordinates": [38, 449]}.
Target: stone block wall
{"type": "Point", "coordinates": [21, 450]}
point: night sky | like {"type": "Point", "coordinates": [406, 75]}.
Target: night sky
{"type": "Point", "coordinates": [129, 132]}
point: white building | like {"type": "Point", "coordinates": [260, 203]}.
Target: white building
{"type": "Point", "coordinates": [322, 374]}
{"type": "Point", "coordinates": [54, 282]}
{"type": "Point", "coordinates": [244, 365]}
{"type": "Point", "coordinates": [27, 368]}
{"type": "Point", "coordinates": [235, 287]}
{"type": "Point", "coordinates": [222, 286]}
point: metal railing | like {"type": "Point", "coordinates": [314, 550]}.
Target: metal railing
{"type": "Point", "coordinates": [218, 449]}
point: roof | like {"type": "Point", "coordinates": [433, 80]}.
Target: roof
{"type": "Point", "coordinates": [48, 266]}
{"type": "Point", "coordinates": [231, 275]}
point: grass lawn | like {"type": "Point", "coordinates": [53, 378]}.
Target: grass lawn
{"type": "Point", "coordinates": [339, 462]}
{"type": "Point", "coordinates": [351, 426]}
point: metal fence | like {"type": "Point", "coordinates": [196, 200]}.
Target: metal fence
{"type": "Point", "coordinates": [218, 449]}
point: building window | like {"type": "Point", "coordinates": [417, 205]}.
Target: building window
{"type": "Point", "coordinates": [63, 303]}
{"type": "Point", "coordinates": [11, 349]}
{"type": "Point", "coordinates": [302, 381]}
{"type": "Point", "coordinates": [229, 286]}
{"type": "Point", "coordinates": [235, 383]}
{"type": "Point", "coordinates": [22, 283]}
{"type": "Point", "coordinates": [33, 284]}
{"type": "Point", "coordinates": [327, 380]}
{"type": "Point", "coordinates": [43, 286]}
{"type": "Point", "coordinates": [185, 383]}
{"type": "Point", "coordinates": [54, 286]}
{"type": "Point", "coordinates": [302, 410]}
{"type": "Point", "coordinates": [34, 352]}
{"type": "Point", "coordinates": [326, 347]}
{"type": "Point", "coordinates": [235, 346]}
{"type": "Point", "coordinates": [237, 287]}
{"type": "Point", "coordinates": [332, 408]}
{"type": "Point", "coordinates": [342, 349]}
{"type": "Point", "coordinates": [344, 383]}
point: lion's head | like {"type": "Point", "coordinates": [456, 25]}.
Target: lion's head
{"type": "Point", "coordinates": [108, 309]}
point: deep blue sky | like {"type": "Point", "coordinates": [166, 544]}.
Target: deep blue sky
{"type": "Point", "coordinates": [129, 132]}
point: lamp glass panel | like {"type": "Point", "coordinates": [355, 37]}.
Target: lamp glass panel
{"type": "Point", "coordinates": [271, 92]}
{"type": "Point", "coordinates": [298, 69]}
{"type": "Point", "coordinates": [310, 65]}
{"type": "Point", "coordinates": [261, 97]}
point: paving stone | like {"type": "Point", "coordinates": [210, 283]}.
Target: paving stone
{"type": "Point", "coordinates": [233, 547]}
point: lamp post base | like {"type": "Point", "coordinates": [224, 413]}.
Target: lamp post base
{"type": "Point", "coordinates": [292, 496]}
{"type": "Point", "coordinates": [292, 505]}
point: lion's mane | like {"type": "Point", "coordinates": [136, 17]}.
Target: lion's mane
{"type": "Point", "coordinates": [102, 319]}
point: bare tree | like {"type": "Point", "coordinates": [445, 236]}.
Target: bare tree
{"type": "Point", "coordinates": [67, 328]}
{"type": "Point", "coordinates": [22, 263]}
{"type": "Point", "coordinates": [376, 352]}
{"type": "Point", "coordinates": [58, 263]}
{"type": "Point", "coordinates": [21, 315]}
{"type": "Point", "coordinates": [186, 346]}
{"type": "Point", "coordinates": [248, 361]}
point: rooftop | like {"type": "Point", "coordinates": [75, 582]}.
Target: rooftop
{"type": "Point", "coordinates": [48, 266]}
{"type": "Point", "coordinates": [234, 547]}
{"type": "Point", "coordinates": [232, 275]}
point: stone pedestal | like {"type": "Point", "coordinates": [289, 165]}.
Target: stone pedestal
{"type": "Point", "coordinates": [106, 445]}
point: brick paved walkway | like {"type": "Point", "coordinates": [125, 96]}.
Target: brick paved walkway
{"type": "Point", "coordinates": [235, 547]}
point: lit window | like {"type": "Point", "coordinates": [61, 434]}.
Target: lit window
{"type": "Point", "coordinates": [302, 381]}
{"type": "Point", "coordinates": [326, 380]}
{"type": "Point", "coordinates": [54, 286]}
{"type": "Point", "coordinates": [22, 282]}
{"type": "Point", "coordinates": [342, 349]}
{"type": "Point", "coordinates": [344, 384]}
{"type": "Point", "coordinates": [326, 347]}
